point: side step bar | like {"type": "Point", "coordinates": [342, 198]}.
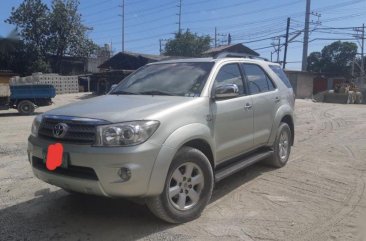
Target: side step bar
{"type": "Point", "coordinates": [241, 164]}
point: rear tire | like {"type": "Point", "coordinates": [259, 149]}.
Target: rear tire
{"type": "Point", "coordinates": [25, 107]}
{"type": "Point", "coordinates": [188, 188]}
{"type": "Point", "coordinates": [281, 147]}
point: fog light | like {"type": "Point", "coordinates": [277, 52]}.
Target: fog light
{"type": "Point", "coordinates": [124, 173]}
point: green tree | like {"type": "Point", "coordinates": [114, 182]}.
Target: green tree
{"type": "Point", "coordinates": [9, 44]}
{"type": "Point", "coordinates": [31, 21]}
{"type": "Point", "coordinates": [315, 62]}
{"type": "Point", "coordinates": [187, 44]}
{"type": "Point", "coordinates": [16, 56]}
{"type": "Point", "coordinates": [45, 32]}
{"type": "Point", "coordinates": [68, 36]}
{"type": "Point", "coordinates": [334, 58]}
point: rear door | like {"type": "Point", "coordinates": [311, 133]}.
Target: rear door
{"type": "Point", "coordinates": [232, 118]}
{"type": "Point", "coordinates": [266, 98]}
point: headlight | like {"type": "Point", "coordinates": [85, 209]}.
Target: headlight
{"type": "Point", "coordinates": [126, 134]}
{"type": "Point", "coordinates": [35, 126]}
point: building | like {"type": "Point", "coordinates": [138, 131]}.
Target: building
{"type": "Point", "coordinates": [130, 61]}
{"type": "Point", "coordinates": [234, 48]}
{"type": "Point", "coordinates": [302, 83]}
{"type": "Point", "coordinates": [5, 76]}
{"type": "Point", "coordinates": [80, 65]}
{"type": "Point", "coordinates": [116, 68]}
{"type": "Point", "coordinates": [101, 56]}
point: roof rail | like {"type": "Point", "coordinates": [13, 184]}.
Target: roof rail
{"type": "Point", "coordinates": [237, 55]}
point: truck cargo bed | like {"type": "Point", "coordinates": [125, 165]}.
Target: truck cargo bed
{"type": "Point", "coordinates": [32, 92]}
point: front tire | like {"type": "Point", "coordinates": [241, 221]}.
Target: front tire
{"type": "Point", "coordinates": [188, 188]}
{"type": "Point", "coordinates": [281, 147]}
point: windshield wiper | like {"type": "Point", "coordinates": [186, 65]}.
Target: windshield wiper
{"type": "Point", "coordinates": [156, 92]}
{"type": "Point", "coordinates": [122, 92]}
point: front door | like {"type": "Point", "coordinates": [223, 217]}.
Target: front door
{"type": "Point", "coordinates": [232, 118]}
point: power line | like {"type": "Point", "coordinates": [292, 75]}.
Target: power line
{"type": "Point", "coordinates": [94, 5]}
{"type": "Point", "coordinates": [254, 11]}
{"type": "Point", "coordinates": [223, 7]}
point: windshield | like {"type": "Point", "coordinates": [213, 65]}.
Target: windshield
{"type": "Point", "coordinates": [176, 79]}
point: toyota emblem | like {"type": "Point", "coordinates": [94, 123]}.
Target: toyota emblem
{"type": "Point", "coordinates": [60, 130]}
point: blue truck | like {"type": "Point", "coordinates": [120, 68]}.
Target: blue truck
{"type": "Point", "coordinates": [25, 98]}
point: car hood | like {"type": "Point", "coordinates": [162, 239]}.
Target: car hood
{"type": "Point", "coordinates": [119, 108]}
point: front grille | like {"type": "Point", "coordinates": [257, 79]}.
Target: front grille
{"type": "Point", "coordinates": [79, 132]}
{"type": "Point", "coordinates": [71, 171]}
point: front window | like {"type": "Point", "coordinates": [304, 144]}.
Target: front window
{"type": "Point", "coordinates": [176, 79]}
{"type": "Point", "coordinates": [230, 74]}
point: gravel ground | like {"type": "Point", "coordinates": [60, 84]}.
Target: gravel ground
{"type": "Point", "coordinates": [319, 195]}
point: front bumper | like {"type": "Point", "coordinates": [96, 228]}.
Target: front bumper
{"type": "Point", "coordinates": [94, 170]}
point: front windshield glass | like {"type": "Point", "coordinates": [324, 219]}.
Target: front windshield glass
{"type": "Point", "coordinates": [176, 79]}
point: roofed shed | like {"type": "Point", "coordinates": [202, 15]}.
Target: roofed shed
{"type": "Point", "coordinates": [130, 61]}
{"type": "Point", "coordinates": [234, 48]}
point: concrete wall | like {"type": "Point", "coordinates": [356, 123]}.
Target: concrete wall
{"type": "Point", "coordinates": [62, 84]}
{"type": "Point", "coordinates": [4, 90]}
{"type": "Point", "coordinates": [302, 83]}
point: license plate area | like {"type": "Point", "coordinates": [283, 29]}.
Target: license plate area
{"type": "Point", "coordinates": [65, 159]}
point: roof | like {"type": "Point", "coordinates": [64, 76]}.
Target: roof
{"type": "Point", "coordinates": [130, 60]}
{"type": "Point", "coordinates": [236, 48]}
{"type": "Point", "coordinates": [210, 59]}
{"type": "Point", "coordinates": [187, 60]}
{"type": "Point", "coordinates": [148, 56]}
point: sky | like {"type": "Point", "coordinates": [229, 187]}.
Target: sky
{"type": "Point", "coordinates": [257, 24]}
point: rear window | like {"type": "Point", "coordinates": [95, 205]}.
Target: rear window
{"type": "Point", "coordinates": [279, 72]}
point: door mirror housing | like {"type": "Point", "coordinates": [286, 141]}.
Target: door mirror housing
{"type": "Point", "coordinates": [226, 91]}
{"type": "Point", "coordinates": [113, 87]}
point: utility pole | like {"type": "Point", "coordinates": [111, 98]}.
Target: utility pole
{"type": "Point", "coordinates": [362, 53]}
{"type": "Point", "coordinates": [215, 37]}
{"type": "Point", "coordinates": [229, 39]}
{"type": "Point", "coordinates": [161, 41]}
{"type": "Point", "coordinates": [306, 37]}
{"type": "Point", "coordinates": [286, 43]}
{"type": "Point", "coordinates": [278, 50]}
{"type": "Point", "coordinates": [160, 47]}
{"type": "Point", "coordinates": [123, 24]}
{"type": "Point", "coordinates": [179, 16]}
{"type": "Point", "coordinates": [277, 47]}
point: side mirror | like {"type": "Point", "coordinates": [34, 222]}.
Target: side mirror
{"type": "Point", "coordinates": [113, 87]}
{"type": "Point", "coordinates": [226, 91]}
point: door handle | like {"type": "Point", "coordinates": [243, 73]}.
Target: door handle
{"type": "Point", "coordinates": [277, 99]}
{"type": "Point", "coordinates": [248, 106]}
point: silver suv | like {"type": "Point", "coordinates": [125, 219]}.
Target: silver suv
{"type": "Point", "coordinates": [169, 131]}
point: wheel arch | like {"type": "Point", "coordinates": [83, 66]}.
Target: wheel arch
{"type": "Point", "coordinates": [194, 135]}
{"type": "Point", "coordinates": [283, 114]}
{"type": "Point", "coordinates": [204, 147]}
{"type": "Point", "coordinates": [290, 122]}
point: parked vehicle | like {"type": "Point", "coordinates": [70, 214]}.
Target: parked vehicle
{"type": "Point", "coordinates": [25, 98]}
{"type": "Point", "coordinates": [169, 131]}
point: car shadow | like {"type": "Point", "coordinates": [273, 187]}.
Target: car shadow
{"type": "Point", "coordinates": [59, 215]}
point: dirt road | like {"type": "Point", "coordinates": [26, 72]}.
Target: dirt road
{"type": "Point", "coordinates": [319, 195]}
